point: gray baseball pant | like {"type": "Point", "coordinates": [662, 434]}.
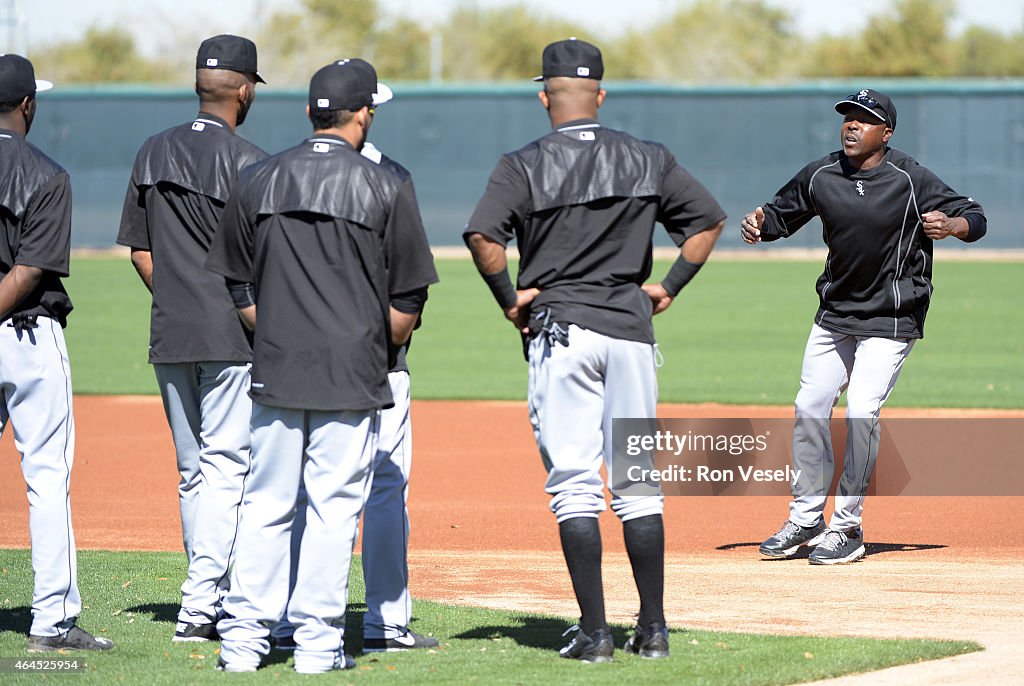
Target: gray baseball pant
{"type": "Point", "coordinates": [211, 413]}
{"type": "Point", "coordinates": [867, 369]}
{"type": "Point", "coordinates": [386, 521]}
{"type": "Point", "coordinates": [331, 453]}
{"type": "Point", "coordinates": [35, 393]}
{"type": "Point", "coordinates": [385, 524]}
{"type": "Point", "coordinates": [575, 391]}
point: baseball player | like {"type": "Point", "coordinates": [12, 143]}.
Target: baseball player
{"type": "Point", "coordinates": [881, 212]}
{"type": "Point", "coordinates": [200, 351]}
{"type": "Point", "coordinates": [385, 517]}
{"type": "Point", "coordinates": [582, 202]}
{"type": "Point", "coordinates": [335, 253]}
{"type": "Point", "coordinates": [35, 378]}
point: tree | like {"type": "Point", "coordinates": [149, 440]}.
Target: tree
{"type": "Point", "coordinates": [298, 42]}
{"type": "Point", "coordinates": [708, 41]}
{"type": "Point", "coordinates": [984, 52]}
{"type": "Point", "coordinates": [402, 50]}
{"type": "Point", "coordinates": [702, 41]}
{"type": "Point", "coordinates": [102, 55]}
{"type": "Point", "coordinates": [501, 43]}
{"type": "Point", "coordinates": [910, 40]}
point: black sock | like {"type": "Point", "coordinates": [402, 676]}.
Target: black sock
{"type": "Point", "coordinates": [645, 543]}
{"type": "Point", "coordinates": [581, 543]}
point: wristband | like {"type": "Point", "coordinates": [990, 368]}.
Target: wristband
{"type": "Point", "coordinates": [679, 275]}
{"type": "Point", "coordinates": [501, 288]}
{"type": "Point", "coordinates": [242, 294]}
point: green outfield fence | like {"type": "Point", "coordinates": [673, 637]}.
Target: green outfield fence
{"type": "Point", "coordinates": [742, 143]}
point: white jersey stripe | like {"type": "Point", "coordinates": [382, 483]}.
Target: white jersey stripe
{"type": "Point", "coordinates": [828, 259]}
{"type": "Point", "coordinates": [900, 263]}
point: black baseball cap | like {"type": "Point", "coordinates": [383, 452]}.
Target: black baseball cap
{"type": "Point", "coordinates": [340, 85]}
{"type": "Point", "coordinates": [228, 52]}
{"type": "Point", "coordinates": [870, 101]}
{"type": "Point", "coordinates": [382, 93]}
{"type": "Point", "coordinates": [573, 58]}
{"type": "Point", "coordinates": [18, 79]}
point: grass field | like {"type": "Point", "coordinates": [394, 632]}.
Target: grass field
{"type": "Point", "coordinates": [133, 599]}
{"type": "Point", "coordinates": [736, 335]}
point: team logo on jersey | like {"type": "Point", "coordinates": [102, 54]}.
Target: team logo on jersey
{"type": "Point", "coordinates": [198, 126]}
{"type": "Point", "coordinates": [860, 188]}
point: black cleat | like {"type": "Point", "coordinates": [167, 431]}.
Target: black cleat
{"type": "Point", "coordinates": [839, 547]}
{"type": "Point", "coordinates": [650, 641]}
{"type": "Point", "coordinates": [286, 642]}
{"type": "Point", "coordinates": [410, 640]}
{"type": "Point", "coordinates": [75, 638]}
{"type": "Point", "coordinates": [187, 632]}
{"type": "Point", "coordinates": [595, 648]}
{"type": "Point", "coordinates": [791, 536]}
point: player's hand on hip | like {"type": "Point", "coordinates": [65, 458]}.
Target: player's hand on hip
{"type": "Point", "coordinates": [660, 299]}
{"type": "Point", "coordinates": [750, 227]}
{"type": "Point", "coordinates": [937, 225]}
{"type": "Point", "coordinates": [519, 315]}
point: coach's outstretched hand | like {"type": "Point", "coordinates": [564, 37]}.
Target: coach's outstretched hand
{"type": "Point", "coordinates": [519, 315]}
{"type": "Point", "coordinates": [750, 227]}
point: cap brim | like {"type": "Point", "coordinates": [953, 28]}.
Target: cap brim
{"type": "Point", "coordinates": [43, 85]}
{"type": "Point", "coordinates": [383, 94]}
{"type": "Point", "coordinates": [259, 78]}
{"type": "Point", "coordinates": [538, 78]}
{"type": "Point", "coordinates": [844, 105]}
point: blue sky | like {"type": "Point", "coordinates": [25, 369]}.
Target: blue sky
{"type": "Point", "coordinates": [45, 21]}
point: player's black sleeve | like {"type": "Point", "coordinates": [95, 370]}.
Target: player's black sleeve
{"type": "Point", "coordinates": [134, 230]}
{"type": "Point", "coordinates": [46, 230]}
{"type": "Point", "coordinates": [407, 253]}
{"type": "Point", "coordinates": [231, 252]}
{"type": "Point", "coordinates": [686, 208]}
{"type": "Point", "coordinates": [933, 194]}
{"type": "Point", "coordinates": [502, 210]}
{"type": "Point", "coordinates": [410, 303]}
{"type": "Point", "coordinates": [792, 206]}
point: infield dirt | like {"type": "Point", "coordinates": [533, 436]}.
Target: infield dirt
{"type": "Point", "coordinates": [947, 567]}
